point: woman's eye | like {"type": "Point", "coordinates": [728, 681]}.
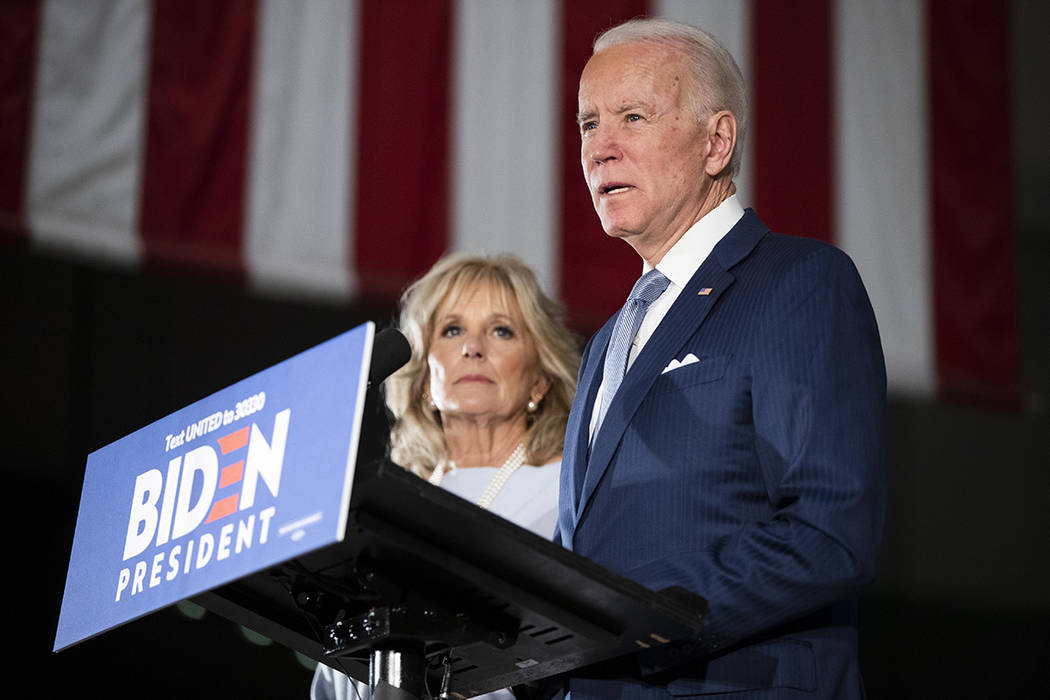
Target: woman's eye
{"type": "Point", "coordinates": [450, 331]}
{"type": "Point", "coordinates": [503, 332]}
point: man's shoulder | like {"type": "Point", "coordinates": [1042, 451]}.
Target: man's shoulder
{"type": "Point", "coordinates": [792, 247]}
{"type": "Point", "coordinates": [779, 259]}
{"type": "Point", "coordinates": [794, 242]}
{"type": "Point", "coordinates": [752, 241]}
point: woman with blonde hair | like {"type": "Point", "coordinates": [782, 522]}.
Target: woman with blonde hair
{"type": "Point", "coordinates": [480, 408]}
{"type": "Point", "coordinates": [489, 384]}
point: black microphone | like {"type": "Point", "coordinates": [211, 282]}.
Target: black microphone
{"type": "Point", "coordinates": [390, 352]}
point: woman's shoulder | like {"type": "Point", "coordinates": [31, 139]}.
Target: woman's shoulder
{"type": "Point", "coordinates": [548, 469]}
{"type": "Point", "coordinates": [538, 482]}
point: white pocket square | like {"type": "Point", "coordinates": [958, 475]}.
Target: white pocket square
{"type": "Point", "coordinates": [675, 364]}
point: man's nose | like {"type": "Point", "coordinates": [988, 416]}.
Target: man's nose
{"type": "Point", "coordinates": [602, 145]}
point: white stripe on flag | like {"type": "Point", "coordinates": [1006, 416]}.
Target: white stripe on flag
{"type": "Point", "coordinates": [882, 162]}
{"type": "Point", "coordinates": [505, 130]}
{"type": "Point", "coordinates": [87, 132]}
{"type": "Point", "coordinates": [730, 23]}
{"type": "Point", "coordinates": [299, 176]}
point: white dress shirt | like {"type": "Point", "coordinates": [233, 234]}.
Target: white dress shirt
{"type": "Point", "coordinates": [679, 265]}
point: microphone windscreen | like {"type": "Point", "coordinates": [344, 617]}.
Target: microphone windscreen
{"type": "Point", "coordinates": [390, 352]}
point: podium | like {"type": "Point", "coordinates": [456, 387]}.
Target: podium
{"type": "Point", "coordinates": [432, 595]}
{"type": "Point", "coordinates": [272, 503]}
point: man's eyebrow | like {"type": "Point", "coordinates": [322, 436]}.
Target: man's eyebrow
{"type": "Point", "coordinates": [623, 108]}
{"type": "Point", "coordinates": [634, 106]}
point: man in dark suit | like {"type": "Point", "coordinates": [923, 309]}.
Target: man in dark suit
{"type": "Point", "coordinates": [727, 432]}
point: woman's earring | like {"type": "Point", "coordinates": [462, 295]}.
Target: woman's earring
{"type": "Point", "coordinates": [534, 403]}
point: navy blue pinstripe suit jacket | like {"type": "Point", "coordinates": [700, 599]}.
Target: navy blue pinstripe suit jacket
{"type": "Point", "coordinates": [753, 477]}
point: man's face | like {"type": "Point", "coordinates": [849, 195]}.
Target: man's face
{"type": "Point", "coordinates": [642, 147]}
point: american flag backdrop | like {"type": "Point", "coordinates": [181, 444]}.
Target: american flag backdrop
{"type": "Point", "coordinates": [337, 147]}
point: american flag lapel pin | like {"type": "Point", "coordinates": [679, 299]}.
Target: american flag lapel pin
{"type": "Point", "coordinates": [705, 291]}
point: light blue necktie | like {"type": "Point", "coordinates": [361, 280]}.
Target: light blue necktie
{"type": "Point", "coordinates": [646, 290]}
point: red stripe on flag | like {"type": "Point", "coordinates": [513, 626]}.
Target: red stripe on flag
{"type": "Point", "coordinates": [791, 119]}
{"type": "Point", "coordinates": [403, 119]}
{"type": "Point", "coordinates": [234, 441]}
{"type": "Point", "coordinates": [223, 508]}
{"type": "Point", "coordinates": [19, 29]}
{"type": "Point", "coordinates": [974, 286]}
{"type": "Point", "coordinates": [596, 272]}
{"type": "Point", "coordinates": [201, 60]}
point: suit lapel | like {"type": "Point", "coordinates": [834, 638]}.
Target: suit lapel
{"type": "Point", "coordinates": [574, 463]}
{"type": "Point", "coordinates": [681, 322]}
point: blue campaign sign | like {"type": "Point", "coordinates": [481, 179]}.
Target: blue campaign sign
{"type": "Point", "coordinates": [251, 476]}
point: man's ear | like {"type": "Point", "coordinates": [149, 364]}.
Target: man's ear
{"type": "Point", "coordinates": [721, 134]}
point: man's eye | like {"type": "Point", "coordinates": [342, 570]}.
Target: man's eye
{"type": "Point", "coordinates": [634, 117]}
{"type": "Point", "coordinates": [588, 126]}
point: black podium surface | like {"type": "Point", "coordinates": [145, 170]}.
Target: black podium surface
{"type": "Point", "coordinates": [483, 603]}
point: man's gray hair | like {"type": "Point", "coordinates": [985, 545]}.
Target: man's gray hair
{"type": "Point", "coordinates": [717, 81]}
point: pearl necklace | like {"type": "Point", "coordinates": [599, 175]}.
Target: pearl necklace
{"type": "Point", "coordinates": [516, 459]}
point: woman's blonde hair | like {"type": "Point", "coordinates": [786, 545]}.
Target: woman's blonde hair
{"type": "Point", "coordinates": [417, 441]}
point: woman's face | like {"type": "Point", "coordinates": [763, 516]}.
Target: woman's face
{"type": "Point", "coordinates": [483, 364]}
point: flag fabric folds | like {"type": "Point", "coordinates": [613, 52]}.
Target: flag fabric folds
{"type": "Point", "coordinates": [336, 148]}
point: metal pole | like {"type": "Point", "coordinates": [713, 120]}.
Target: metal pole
{"type": "Point", "coordinates": [397, 671]}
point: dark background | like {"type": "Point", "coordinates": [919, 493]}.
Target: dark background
{"type": "Point", "coordinates": [960, 609]}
